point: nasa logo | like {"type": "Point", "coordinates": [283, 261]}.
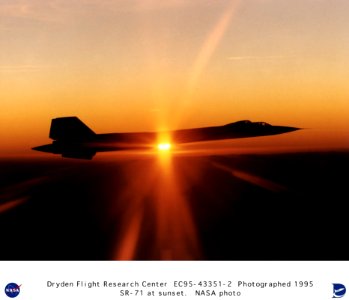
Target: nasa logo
{"type": "Point", "coordinates": [338, 290]}
{"type": "Point", "coordinates": [12, 290]}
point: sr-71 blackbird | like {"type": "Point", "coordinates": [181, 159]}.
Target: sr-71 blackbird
{"type": "Point", "coordinates": [73, 139]}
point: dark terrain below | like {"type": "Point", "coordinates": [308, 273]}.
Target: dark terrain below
{"type": "Point", "coordinates": [243, 207]}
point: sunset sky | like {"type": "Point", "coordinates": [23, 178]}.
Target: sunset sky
{"type": "Point", "coordinates": [142, 65]}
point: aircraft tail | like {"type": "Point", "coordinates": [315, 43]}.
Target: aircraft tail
{"type": "Point", "coordinates": [70, 128]}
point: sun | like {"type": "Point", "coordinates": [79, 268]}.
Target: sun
{"type": "Point", "coordinates": [164, 146]}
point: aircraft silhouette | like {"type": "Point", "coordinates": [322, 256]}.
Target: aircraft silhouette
{"type": "Point", "coordinates": [73, 139]}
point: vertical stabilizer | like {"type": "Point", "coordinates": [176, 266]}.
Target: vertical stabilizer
{"type": "Point", "coordinates": [71, 129]}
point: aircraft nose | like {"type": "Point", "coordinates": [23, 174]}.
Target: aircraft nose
{"type": "Point", "coordinates": [293, 128]}
{"type": "Point", "coordinates": [285, 129]}
{"type": "Point", "coordinates": [288, 128]}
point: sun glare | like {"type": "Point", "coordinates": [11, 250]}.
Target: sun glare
{"type": "Point", "coordinates": [164, 146]}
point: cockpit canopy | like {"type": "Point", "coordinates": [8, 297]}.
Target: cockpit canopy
{"type": "Point", "coordinates": [263, 124]}
{"type": "Point", "coordinates": [248, 123]}
{"type": "Point", "coordinates": [243, 122]}
{"type": "Point", "coordinates": [240, 123]}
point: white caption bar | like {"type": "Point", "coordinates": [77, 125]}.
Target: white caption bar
{"type": "Point", "coordinates": [170, 279]}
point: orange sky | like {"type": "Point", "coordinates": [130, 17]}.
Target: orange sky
{"type": "Point", "coordinates": [146, 64]}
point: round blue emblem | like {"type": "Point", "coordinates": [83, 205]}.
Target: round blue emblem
{"type": "Point", "coordinates": [12, 290]}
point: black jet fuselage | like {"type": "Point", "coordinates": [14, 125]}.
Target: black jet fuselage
{"type": "Point", "coordinates": [72, 138]}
